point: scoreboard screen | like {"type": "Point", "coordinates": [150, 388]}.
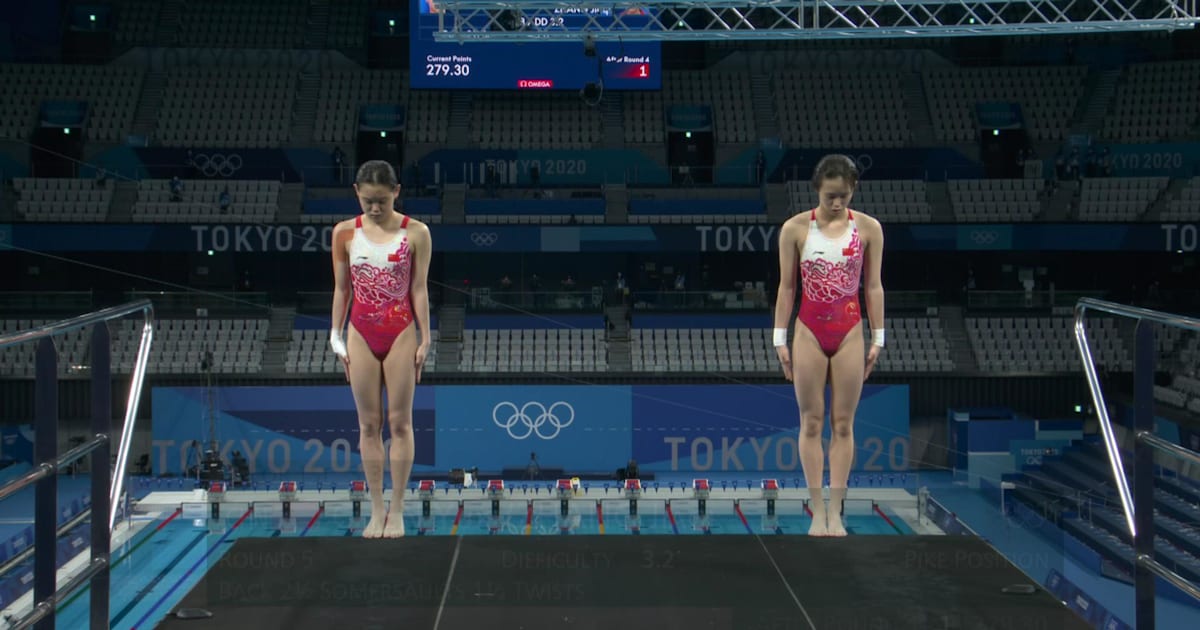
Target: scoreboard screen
{"type": "Point", "coordinates": [529, 65]}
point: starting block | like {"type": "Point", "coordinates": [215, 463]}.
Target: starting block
{"type": "Point", "coordinates": [770, 492]}
{"type": "Point", "coordinates": [700, 490]}
{"type": "Point", "coordinates": [358, 492]}
{"type": "Point", "coordinates": [216, 494]}
{"type": "Point", "coordinates": [633, 490]}
{"type": "Point", "coordinates": [425, 490]}
{"type": "Point", "coordinates": [495, 491]}
{"type": "Point", "coordinates": [287, 494]}
{"type": "Point", "coordinates": [566, 490]}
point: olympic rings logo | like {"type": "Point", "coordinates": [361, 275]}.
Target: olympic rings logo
{"type": "Point", "coordinates": [865, 162]}
{"type": "Point", "coordinates": [217, 164]}
{"type": "Point", "coordinates": [521, 424]}
{"type": "Point", "coordinates": [484, 239]}
{"type": "Point", "coordinates": [984, 237]}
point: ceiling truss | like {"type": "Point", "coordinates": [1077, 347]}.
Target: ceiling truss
{"type": "Point", "coordinates": [555, 20]}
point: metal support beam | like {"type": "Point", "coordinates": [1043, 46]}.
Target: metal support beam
{"type": "Point", "coordinates": [557, 20]}
{"type": "Point", "coordinates": [45, 450]}
{"type": "Point", "coordinates": [101, 469]}
{"type": "Point", "coordinates": [1143, 472]}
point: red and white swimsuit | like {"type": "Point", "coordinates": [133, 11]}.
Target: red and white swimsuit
{"type": "Point", "coordinates": [830, 274]}
{"type": "Point", "coordinates": [381, 274]}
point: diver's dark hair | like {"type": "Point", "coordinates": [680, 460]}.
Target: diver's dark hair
{"type": "Point", "coordinates": [835, 165]}
{"type": "Point", "coordinates": [377, 172]}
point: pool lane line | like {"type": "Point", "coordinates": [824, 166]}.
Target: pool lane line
{"type": "Point", "coordinates": [738, 508]}
{"type": "Point", "coordinates": [195, 566]}
{"type": "Point", "coordinates": [529, 518]}
{"type": "Point", "coordinates": [170, 518]}
{"type": "Point", "coordinates": [885, 517]}
{"type": "Point", "coordinates": [313, 521]}
{"type": "Point", "coordinates": [123, 557]}
{"type": "Point", "coordinates": [600, 517]}
{"type": "Point", "coordinates": [116, 620]}
{"type": "Point", "coordinates": [457, 520]}
{"type": "Point", "coordinates": [671, 517]}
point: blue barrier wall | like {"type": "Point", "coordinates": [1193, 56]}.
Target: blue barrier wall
{"type": "Point", "coordinates": [501, 322]}
{"type": "Point", "coordinates": [596, 428]}
{"type": "Point", "coordinates": [536, 206]}
{"type": "Point", "coordinates": [696, 206]}
{"type": "Point", "coordinates": [650, 320]}
{"type": "Point", "coordinates": [349, 207]}
{"type": "Point", "coordinates": [298, 239]}
{"type": "Point", "coordinates": [16, 443]}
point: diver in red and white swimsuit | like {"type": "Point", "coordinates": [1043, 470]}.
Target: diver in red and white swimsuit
{"type": "Point", "coordinates": [381, 266]}
{"type": "Point", "coordinates": [830, 273]}
{"type": "Point", "coordinates": [380, 274]}
{"type": "Point", "coordinates": [828, 348]}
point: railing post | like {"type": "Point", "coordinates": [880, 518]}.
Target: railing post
{"type": "Point", "coordinates": [45, 519]}
{"type": "Point", "coordinates": [1143, 472]}
{"type": "Point", "coordinates": [102, 470]}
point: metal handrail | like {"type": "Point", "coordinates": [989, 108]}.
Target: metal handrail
{"type": "Point", "coordinates": [1089, 366]}
{"type": "Point", "coordinates": [1176, 580]}
{"type": "Point", "coordinates": [43, 608]}
{"type": "Point", "coordinates": [1138, 505]}
{"type": "Point", "coordinates": [135, 383]}
{"type": "Point", "coordinates": [96, 572]}
{"type": "Point", "coordinates": [76, 323]}
{"type": "Point", "coordinates": [1170, 448]}
{"type": "Point", "coordinates": [28, 551]}
{"type": "Point", "coordinates": [46, 469]}
{"type": "Point", "coordinates": [1134, 312]}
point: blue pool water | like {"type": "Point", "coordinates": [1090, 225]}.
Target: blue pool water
{"type": "Point", "coordinates": [152, 572]}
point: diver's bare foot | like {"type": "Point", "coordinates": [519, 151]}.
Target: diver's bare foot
{"type": "Point", "coordinates": [374, 528]}
{"type": "Point", "coordinates": [836, 529]}
{"type": "Point", "coordinates": [818, 528]}
{"type": "Point", "coordinates": [395, 525]}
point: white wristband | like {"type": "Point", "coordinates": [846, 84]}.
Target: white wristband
{"type": "Point", "coordinates": [780, 337]}
{"type": "Point", "coordinates": [335, 342]}
{"type": "Point", "coordinates": [877, 336]}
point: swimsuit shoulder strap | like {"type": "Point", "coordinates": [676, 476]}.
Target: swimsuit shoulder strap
{"type": "Point", "coordinates": [404, 222]}
{"type": "Point", "coordinates": [358, 222]}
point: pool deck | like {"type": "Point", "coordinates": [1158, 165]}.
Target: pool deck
{"type": "Point", "coordinates": [734, 582]}
{"type": "Point", "coordinates": [181, 508]}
